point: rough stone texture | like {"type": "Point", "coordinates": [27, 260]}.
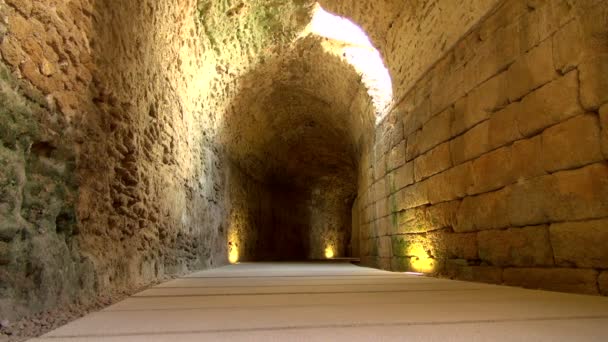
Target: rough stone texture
{"type": "Point", "coordinates": [531, 71]}
{"type": "Point", "coordinates": [603, 283]}
{"type": "Point", "coordinates": [580, 244]}
{"type": "Point", "coordinates": [594, 86]}
{"type": "Point", "coordinates": [432, 162]}
{"type": "Point", "coordinates": [525, 247]}
{"type": "Point", "coordinates": [604, 126]}
{"type": "Point", "coordinates": [572, 143]}
{"type": "Point", "coordinates": [555, 279]}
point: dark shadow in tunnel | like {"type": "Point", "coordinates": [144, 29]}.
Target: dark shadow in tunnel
{"type": "Point", "coordinates": [292, 138]}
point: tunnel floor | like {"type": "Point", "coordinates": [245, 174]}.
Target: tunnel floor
{"type": "Point", "coordinates": [337, 301]}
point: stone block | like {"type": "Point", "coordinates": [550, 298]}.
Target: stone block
{"type": "Point", "coordinates": [526, 160]}
{"type": "Point", "coordinates": [436, 130]}
{"type": "Point", "coordinates": [479, 103]}
{"type": "Point", "coordinates": [604, 126]}
{"type": "Point", "coordinates": [380, 167]}
{"type": "Point", "coordinates": [503, 126]}
{"type": "Point", "coordinates": [426, 218]}
{"type": "Point", "coordinates": [412, 196]}
{"type": "Point", "coordinates": [492, 171]}
{"type": "Point", "coordinates": [568, 47]}
{"type": "Point", "coordinates": [396, 156]}
{"type": "Point", "coordinates": [449, 185]}
{"type": "Point", "coordinates": [432, 162]}
{"type": "Point", "coordinates": [471, 144]}
{"type": "Point", "coordinates": [581, 244]}
{"type": "Point", "coordinates": [554, 279]}
{"type": "Point", "coordinates": [593, 82]}
{"type": "Point", "coordinates": [456, 245]}
{"type": "Point", "coordinates": [380, 189]}
{"type": "Point", "coordinates": [456, 269]}
{"type": "Point", "coordinates": [485, 211]}
{"type": "Point", "coordinates": [384, 247]}
{"type": "Point", "coordinates": [412, 149]}
{"type": "Point", "coordinates": [572, 143]}
{"type": "Point", "coordinates": [527, 247]}
{"type": "Point", "coordinates": [382, 207]}
{"type": "Point", "coordinates": [602, 281]}
{"type": "Point", "coordinates": [552, 103]}
{"type": "Point", "coordinates": [396, 133]}
{"type": "Point", "coordinates": [579, 194]}
{"type": "Point", "coordinates": [527, 201]}
{"type": "Point", "coordinates": [531, 71]}
{"type": "Point", "coordinates": [401, 177]}
{"type": "Point", "coordinates": [414, 120]}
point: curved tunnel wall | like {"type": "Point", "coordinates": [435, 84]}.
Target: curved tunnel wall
{"type": "Point", "coordinates": [129, 157]}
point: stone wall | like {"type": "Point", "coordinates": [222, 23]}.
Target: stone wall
{"type": "Point", "coordinates": [492, 167]}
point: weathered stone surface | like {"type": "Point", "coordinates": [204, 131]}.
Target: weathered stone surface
{"type": "Point", "coordinates": [409, 197]}
{"type": "Point", "coordinates": [602, 281]}
{"type": "Point", "coordinates": [384, 247]}
{"type": "Point", "coordinates": [485, 211]}
{"type": "Point", "coordinates": [572, 143]}
{"type": "Point", "coordinates": [579, 194]}
{"type": "Point", "coordinates": [527, 201]}
{"type": "Point", "coordinates": [432, 162]}
{"type": "Point", "coordinates": [471, 144]}
{"type": "Point", "coordinates": [594, 84]}
{"type": "Point", "coordinates": [550, 104]}
{"type": "Point", "coordinates": [531, 70]}
{"type": "Point", "coordinates": [449, 185]}
{"type": "Point", "coordinates": [436, 130]}
{"type": "Point", "coordinates": [527, 247]}
{"type": "Point", "coordinates": [525, 159]}
{"type": "Point", "coordinates": [412, 149]}
{"type": "Point", "coordinates": [396, 156]}
{"type": "Point", "coordinates": [479, 103]}
{"type": "Point", "coordinates": [503, 126]}
{"type": "Point", "coordinates": [492, 171]}
{"type": "Point", "coordinates": [554, 279]}
{"type": "Point", "coordinates": [379, 167]}
{"type": "Point", "coordinates": [459, 269]}
{"type": "Point", "coordinates": [568, 47]}
{"type": "Point", "coordinates": [604, 125]}
{"type": "Point", "coordinates": [426, 218]}
{"type": "Point", "coordinates": [382, 207]}
{"type": "Point", "coordinates": [401, 177]}
{"type": "Point", "coordinates": [581, 244]}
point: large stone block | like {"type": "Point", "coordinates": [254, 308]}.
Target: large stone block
{"type": "Point", "coordinates": [426, 218]}
{"type": "Point", "coordinates": [380, 166]}
{"type": "Point", "coordinates": [432, 162]}
{"type": "Point", "coordinates": [528, 200]}
{"type": "Point", "coordinates": [579, 194]}
{"type": "Point", "coordinates": [604, 125]}
{"type": "Point", "coordinates": [531, 71]}
{"type": "Point", "coordinates": [492, 171]}
{"type": "Point", "coordinates": [383, 207]}
{"type": "Point", "coordinates": [528, 246]}
{"type": "Point", "coordinates": [479, 103]}
{"type": "Point", "coordinates": [459, 269]}
{"type": "Point", "coordinates": [485, 211]}
{"type": "Point", "coordinates": [602, 281]}
{"type": "Point", "coordinates": [568, 47]}
{"type": "Point", "coordinates": [552, 103]}
{"type": "Point", "coordinates": [454, 245]}
{"type": "Point", "coordinates": [449, 185]}
{"type": "Point", "coordinates": [555, 279]}
{"type": "Point", "coordinates": [396, 156]}
{"type": "Point", "coordinates": [503, 126]}
{"type": "Point", "coordinates": [401, 177]}
{"type": "Point", "coordinates": [412, 149]}
{"type": "Point", "coordinates": [471, 144]}
{"type": "Point", "coordinates": [384, 247]}
{"type": "Point", "coordinates": [572, 143]}
{"type": "Point", "coordinates": [526, 158]}
{"type": "Point", "coordinates": [436, 130]}
{"type": "Point", "coordinates": [414, 120]}
{"type": "Point", "coordinates": [581, 244]}
{"type": "Point", "coordinates": [594, 83]}
{"type": "Point", "coordinates": [412, 196]}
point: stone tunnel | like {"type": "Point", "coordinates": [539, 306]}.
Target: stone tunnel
{"type": "Point", "coordinates": [143, 140]}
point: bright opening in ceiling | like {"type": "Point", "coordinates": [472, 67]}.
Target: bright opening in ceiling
{"type": "Point", "coordinates": [348, 41]}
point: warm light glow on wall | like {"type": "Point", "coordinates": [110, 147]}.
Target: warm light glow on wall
{"type": "Point", "coordinates": [329, 252]}
{"type": "Point", "coordinates": [233, 253]}
{"type": "Point", "coordinates": [348, 41]}
{"type": "Point", "coordinates": [420, 260]}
